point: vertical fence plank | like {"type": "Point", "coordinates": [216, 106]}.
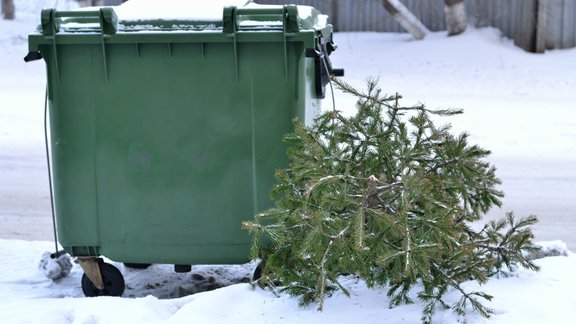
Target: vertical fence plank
{"type": "Point", "coordinates": [554, 24]}
{"type": "Point", "coordinates": [569, 16]}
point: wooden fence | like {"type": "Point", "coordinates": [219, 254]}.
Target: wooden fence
{"type": "Point", "coordinates": [535, 25]}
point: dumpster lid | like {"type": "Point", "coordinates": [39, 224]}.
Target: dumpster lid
{"type": "Point", "coordinates": [185, 16]}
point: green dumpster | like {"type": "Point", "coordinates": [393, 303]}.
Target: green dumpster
{"type": "Point", "coordinates": [165, 134]}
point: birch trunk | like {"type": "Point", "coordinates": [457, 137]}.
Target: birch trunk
{"type": "Point", "coordinates": [455, 12]}
{"type": "Point", "coordinates": [8, 9]}
{"type": "Point", "coordinates": [405, 18]}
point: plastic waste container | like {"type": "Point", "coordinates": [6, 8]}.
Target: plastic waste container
{"type": "Point", "coordinates": [165, 135]}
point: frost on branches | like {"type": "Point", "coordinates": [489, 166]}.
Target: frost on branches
{"type": "Point", "coordinates": [387, 196]}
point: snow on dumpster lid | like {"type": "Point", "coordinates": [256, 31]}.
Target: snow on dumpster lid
{"type": "Point", "coordinates": [191, 16]}
{"type": "Point", "coordinates": [206, 11]}
{"type": "Point", "coordinates": [135, 10]}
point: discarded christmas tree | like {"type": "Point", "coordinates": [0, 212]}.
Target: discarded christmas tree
{"type": "Point", "coordinates": [387, 196]}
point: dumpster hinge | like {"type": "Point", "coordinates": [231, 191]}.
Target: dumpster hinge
{"type": "Point", "coordinates": [230, 26]}
{"type": "Point", "coordinates": [289, 25]}
{"type": "Point", "coordinates": [50, 27]}
{"type": "Point", "coordinates": [288, 15]}
{"type": "Point", "coordinates": [51, 21]}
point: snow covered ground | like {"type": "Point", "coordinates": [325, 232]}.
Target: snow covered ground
{"type": "Point", "coordinates": [519, 105]}
{"type": "Point", "coordinates": [27, 296]}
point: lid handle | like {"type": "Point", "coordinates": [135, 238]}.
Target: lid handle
{"type": "Point", "coordinates": [288, 15]}
{"type": "Point", "coordinates": [52, 19]}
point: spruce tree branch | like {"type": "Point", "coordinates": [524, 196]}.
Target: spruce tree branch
{"type": "Point", "coordinates": [455, 284]}
{"type": "Point", "coordinates": [389, 186]}
{"type": "Point", "coordinates": [325, 179]}
{"type": "Point", "coordinates": [346, 87]}
{"type": "Point", "coordinates": [323, 271]}
{"type": "Point", "coordinates": [393, 115]}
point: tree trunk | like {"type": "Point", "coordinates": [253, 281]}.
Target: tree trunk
{"type": "Point", "coordinates": [405, 18]}
{"type": "Point", "coordinates": [455, 11]}
{"type": "Point", "coordinates": [541, 24]}
{"type": "Point", "coordinates": [8, 9]}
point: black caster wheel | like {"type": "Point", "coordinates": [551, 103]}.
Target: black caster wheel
{"type": "Point", "coordinates": [113, 282]}
{"type": "Point", "coordinates": [137, 265]}
{"type": "Point", "coordinates": [258, 271]}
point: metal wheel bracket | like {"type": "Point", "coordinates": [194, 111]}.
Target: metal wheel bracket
{"type": "Point", "coordinates": [91, 267]}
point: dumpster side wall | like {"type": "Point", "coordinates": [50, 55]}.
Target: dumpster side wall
{"type": "Point", "coordinates": [161, 149]}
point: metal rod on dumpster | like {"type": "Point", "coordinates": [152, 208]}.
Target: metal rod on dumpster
{"type": "Point", "coordinates": [49, 169]}
{"type": "Point", "coordinates": [331, 89]}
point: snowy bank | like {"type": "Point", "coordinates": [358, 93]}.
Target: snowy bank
{"type": "Point", "coordinates": [29, 297]}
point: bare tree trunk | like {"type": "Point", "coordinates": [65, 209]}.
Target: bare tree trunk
{"type": "Point", "coordinates": [541, 24]}
{"type": "Point", "coordinates": [405, 18]}
{"type": "Point", "coordinates": [8, 9]}
{"type": "Point", "coordinates": [455, 11]}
